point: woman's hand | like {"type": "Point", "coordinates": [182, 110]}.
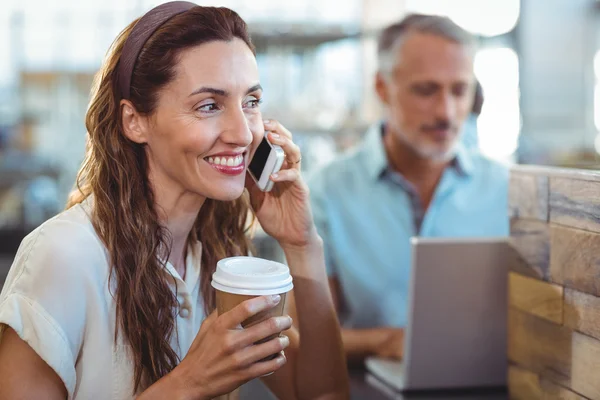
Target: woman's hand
{"type": "Point", "coordinates": [284, 212]}
{"type": "Point", "coordinates": [223, 356]}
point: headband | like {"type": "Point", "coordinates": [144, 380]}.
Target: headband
{"type": "Point", "coordinates": [140, 33]}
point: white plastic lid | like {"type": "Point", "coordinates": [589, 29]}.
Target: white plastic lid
{"type": "Point", "coordinates": [251, 276]}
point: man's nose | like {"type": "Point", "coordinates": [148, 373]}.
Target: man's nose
{"type": "Point", "coordinates": [446, 107]}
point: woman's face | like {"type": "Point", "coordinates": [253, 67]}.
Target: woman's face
{"type": "Point", "coordinates": [207, 122]}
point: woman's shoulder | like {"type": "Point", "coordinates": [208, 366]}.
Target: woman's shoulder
{"type": "Point", "coordinates": [64, 248]}
{"type": "Point", "coordinates": [56, 284]}
{"type": "Point", "coordinates": [70, 230]}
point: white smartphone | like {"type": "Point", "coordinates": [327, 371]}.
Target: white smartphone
{"type": "Point", "coordinates": [267, 160]}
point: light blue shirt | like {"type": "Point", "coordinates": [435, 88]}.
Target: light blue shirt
{"type": "Point", "coordinates": [366, 214]}
{"type": "Point", "coordinates": [469, 136]}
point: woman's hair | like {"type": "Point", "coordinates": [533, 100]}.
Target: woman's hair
{"type": "Point", "coordinates": [115, 172]}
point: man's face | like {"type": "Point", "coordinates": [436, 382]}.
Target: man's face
{"type": "Point", "coordinates": [428, 95]}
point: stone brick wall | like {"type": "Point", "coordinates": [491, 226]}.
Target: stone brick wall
{"type": "Point", "coordinates": [554, 284]}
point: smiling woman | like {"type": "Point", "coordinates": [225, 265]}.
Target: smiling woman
{"type": "Point", "coordinates": [219, 119]}
{"type": "Point", "coordinates": [108, 299]}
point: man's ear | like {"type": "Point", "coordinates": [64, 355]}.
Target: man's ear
{"type": "Point", "coordinates": [134, 124]}
{"type": "Point", "coordinates": [381, 88]}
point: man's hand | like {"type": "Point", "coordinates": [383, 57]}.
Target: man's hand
{"type": "Point", "coordinates": [392, 345]}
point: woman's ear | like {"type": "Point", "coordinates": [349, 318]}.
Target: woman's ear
{"type": "Point", "coordinates": [134, 124]}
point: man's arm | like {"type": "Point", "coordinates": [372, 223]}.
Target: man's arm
{"type": "Point", "coordinates": [358, 343]}
{"type": "Point", "coordinates": [362, 343]}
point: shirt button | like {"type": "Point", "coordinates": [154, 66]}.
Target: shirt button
{"type": "Point", "coordinates": [184, 313]}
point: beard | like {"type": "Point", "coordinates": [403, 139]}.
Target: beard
{"type": "Point", "coordinates": [434, 152]}
{"type": "Point", "coordinates": [427, 150]}
{"type": "Point", "coordinates": [427, 145]}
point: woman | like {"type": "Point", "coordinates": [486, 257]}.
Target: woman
{"type": "Point", "coordinates": [107, 299]}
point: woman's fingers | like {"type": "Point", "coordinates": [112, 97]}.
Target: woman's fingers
{"type": "Point", "coordinates": [286, 175]}
{"type": "Point", "coordinates": [291, 149]}
{"type": "Point", "coordinates": [207, 323]}
{"type": "Point", "coordinates": [274, 126]}
{"type": "Point", "coordinates": [266, 328]}
{"type": "Point", "coordinates": [279, 135]}
{"type": "Point", "coordinates": [234, 318]}
{"type": "Point", "coordinates": [261, 352]}
{"type": "Point", "coordinates": [263, 368]}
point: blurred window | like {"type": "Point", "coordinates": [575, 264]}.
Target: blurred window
{"type": "Point", "coordinates": [499, 124]}
{"type": "Point", "coordinates": [597, 99]}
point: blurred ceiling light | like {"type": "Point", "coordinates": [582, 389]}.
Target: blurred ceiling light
{"type": "Point", "coordinates": [499, 124]}
{"type": "Point", "coordinates": [481, 17]}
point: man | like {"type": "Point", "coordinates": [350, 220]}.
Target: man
{"type": "Point", "coordinates": [411, 176]}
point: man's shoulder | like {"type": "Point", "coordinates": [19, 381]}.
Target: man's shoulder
{"type": "Point", "coordinates": [488, 168]}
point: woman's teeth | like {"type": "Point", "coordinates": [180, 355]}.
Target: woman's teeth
{"type": "Point", "coordinates": [226, 161]}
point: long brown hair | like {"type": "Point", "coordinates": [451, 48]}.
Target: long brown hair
{"type": "Point", "coordinates": [115, 171]}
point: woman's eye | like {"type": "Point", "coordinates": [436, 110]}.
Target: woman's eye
{"type": "Point", "coordinates": [208, 107]}
{"type": "Point", "coordinates": [253, 103]}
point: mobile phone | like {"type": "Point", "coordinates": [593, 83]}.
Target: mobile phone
{"type": "Point", "coordinates": [268, 159]}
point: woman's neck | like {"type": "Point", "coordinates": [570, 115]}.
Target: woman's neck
{"type": "Point", "coordinates": [177, 211]}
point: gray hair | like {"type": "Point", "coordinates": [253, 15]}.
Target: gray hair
{"type": "Point", "coordinates": [391, 37]}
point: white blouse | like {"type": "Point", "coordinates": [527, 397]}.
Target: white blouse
{"type": "Point", "coordinates": [56, 297]}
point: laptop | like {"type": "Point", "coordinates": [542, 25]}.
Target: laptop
{"type": "Point", "coordinates": [456, 332]}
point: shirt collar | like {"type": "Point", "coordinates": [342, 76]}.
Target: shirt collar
{"type": "Point", "coordinates": [375, 158]}
{"type": "Point", "coordinates": [376, 162]}
{"type": "Point", "coordinates": [193, 258]}
{"type": "Point", "coordinates": [463, 162]}
{"type": "Point", "coordinates": [192, 268]}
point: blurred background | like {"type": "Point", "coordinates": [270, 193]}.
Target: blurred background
{"type": "Point", "coordinates": [538, 64]}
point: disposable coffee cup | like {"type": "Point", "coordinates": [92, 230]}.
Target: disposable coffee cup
{"type": "Point", "coordinates": [238, 279]}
